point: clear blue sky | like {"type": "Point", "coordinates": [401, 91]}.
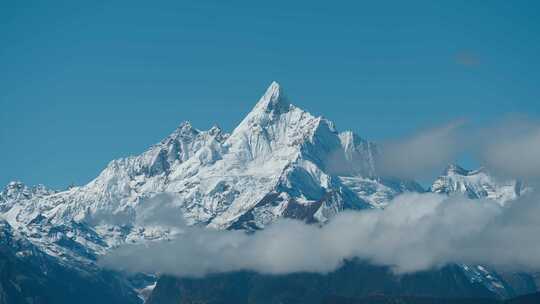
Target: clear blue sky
{"type": "Point", "coordinates": [81, 85]}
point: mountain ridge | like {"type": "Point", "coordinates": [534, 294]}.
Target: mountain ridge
{"type": "Point", "coordinates": [280, 161]}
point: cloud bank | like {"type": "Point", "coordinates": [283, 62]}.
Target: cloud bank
{"type": "Point", "coordinates": [416, 232]}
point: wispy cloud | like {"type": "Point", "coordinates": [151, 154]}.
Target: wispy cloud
{"type": "Point", "coordinates": [423, 153]}
{"type": "Point", "coordinates": [509, 148]}
{"type": "Point", "coordinates": [512, 148]}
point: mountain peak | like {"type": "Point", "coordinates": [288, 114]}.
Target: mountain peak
{"type": "Point", "coordinates": [214, 129]}
{"type": "Point", "coordinates": [15, 184]}
{"type": "Point", "coordinates": [273, 100]}
{"type": "Point", "coordinates": [268, 110]}
{"type": "Point", "coordinates": [455, 169]}
{"type": "Point", "coordinates": [18, 190]}
{"type": "Point", "coordinates": [185, 129]}
{"type": "Point", "coordinates": [185, 125]}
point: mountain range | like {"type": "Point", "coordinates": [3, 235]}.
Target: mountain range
{"type": "Point", "coordinates": [279, 162]}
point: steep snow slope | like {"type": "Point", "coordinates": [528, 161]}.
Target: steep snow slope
{"type": "Point", "coordinates": [15, 192]}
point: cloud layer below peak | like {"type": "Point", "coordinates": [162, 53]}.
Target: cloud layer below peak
{"type": "Point", "coordinates": [416, 232]}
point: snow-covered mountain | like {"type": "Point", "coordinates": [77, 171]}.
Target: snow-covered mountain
{"type": "Point", "coordinates": [280, 161]}
{"type": "Point", "coordinates": [477, 184]}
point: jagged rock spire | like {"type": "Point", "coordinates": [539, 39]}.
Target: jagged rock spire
{"type": "Point", "coordinates": [274, 99]}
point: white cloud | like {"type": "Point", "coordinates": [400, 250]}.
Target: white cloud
{"type": "Point", "coordinates": [416, 232]}
{"type": "Point", "coordinates": [423, 153]}
{"type": "Point", "coordinates": [512, 149]}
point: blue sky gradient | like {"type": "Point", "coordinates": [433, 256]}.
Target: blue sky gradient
{"type": "Point", "coordinates": [81, 85]}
